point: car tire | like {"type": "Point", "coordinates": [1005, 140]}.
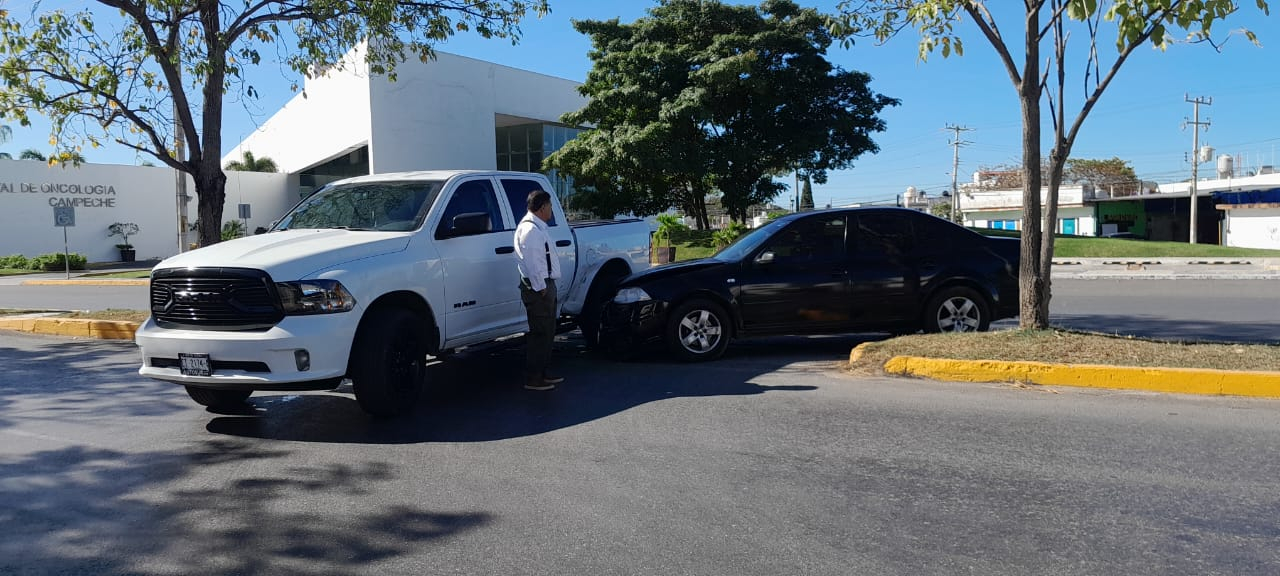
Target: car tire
{"type": "Point", "coordinates": [957, 309]}
{"type": "Point", "coordinates": [218, 399]}
{"type": "Point", "coordinates": [388, 361]}
{"type": "Point", "coordinates": [593, 308]}
{"type": "Point", "coordinates": [698, 330]}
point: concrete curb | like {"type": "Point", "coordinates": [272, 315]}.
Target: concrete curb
{"type": "Point", "coordinates": [81, 327]}
{"type": "Point", "coordinates": [1175, 380]}
{"type": "Point", "coordinates": [90, 282]}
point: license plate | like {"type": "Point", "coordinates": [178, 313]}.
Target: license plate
{"type": "Point", "coordinates": [194, 364]}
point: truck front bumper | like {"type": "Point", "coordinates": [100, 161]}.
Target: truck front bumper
{"type": "Point", "coordinates": [268, 360]}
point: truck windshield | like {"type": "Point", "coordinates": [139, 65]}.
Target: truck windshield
{"type": "Point", "coordinates": [386, 206]}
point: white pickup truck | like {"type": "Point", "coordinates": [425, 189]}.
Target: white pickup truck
{"type": "Point", "coordinates": [363, 280]}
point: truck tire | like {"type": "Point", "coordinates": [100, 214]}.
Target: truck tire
{"type": "Point", "coordinates": [388, 361]}
{"type": "Point", "coordinates": [593, 307]}
{"type": "Point", "coordinates": [218, 398]}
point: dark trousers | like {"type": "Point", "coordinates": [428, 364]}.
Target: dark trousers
{"type": "Point", "coordinates": [541, 310]}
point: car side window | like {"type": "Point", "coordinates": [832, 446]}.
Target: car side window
{"type": "Point", "coordinates": [471, 198]}
{"type": "Point", "coordinates": [517, 191]}
{"type": "Point", "coordinates": [812, 240]}
{"type": "Point", "coordinates": [936, 234]}
{"type": "Point", "coordinates": [884, 234]}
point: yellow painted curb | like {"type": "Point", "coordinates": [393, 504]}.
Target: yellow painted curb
{"type": "Point", "coordinates": [85, 328]}
{"type": "Point", "coordinates": [90, 282]}
{"type": "Point", "coordinates": [1177, 380]}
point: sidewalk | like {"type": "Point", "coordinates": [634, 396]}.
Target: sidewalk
{"type": "Point", "coordinates": [87, 277]}
{"type": "Point", "coordinates": [1167, 268]}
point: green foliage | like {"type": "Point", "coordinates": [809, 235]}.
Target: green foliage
{"type": "Point", "coordinates": [124, 230]}
{"type": "Point", "coordinates": [941, 210]}
{"type": "Point", "coordinates": [232, 229]}
{"type": "Point", "coordinates": [248, 163]}
{"type": "Point", "coordinates": [667, 224]}
{"type": "Point", "coordinates": [32, 154]}
{"type": "Point", "coordinates": [132, 72]}
{"type": "Point", "coordinates": [56, 261]}
{"type": "Point", "coordinates": [1099, 172]}
{"type": "Point", "coordinates": [728, 234]}
{"type": "Point", "coordinates": [14, 261]}
{"type": "Point", "coordinates": [700, 96]}
{"type": "Point", "coordinates": [806, 194]}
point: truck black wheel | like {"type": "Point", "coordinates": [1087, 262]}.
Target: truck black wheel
{"type": "Point", "coordinates": [698, 330]}
{"type": "Point", "coordinates": [388, 361]}
{"type": "Point", "coordinates": [957, 309]}
{"type": "Point", "coordinates": [218, 398]}
{"type": "Point", "coordinates": [593, 307]}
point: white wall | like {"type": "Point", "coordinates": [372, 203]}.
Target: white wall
{"type": "Point", "coordinates": [441, 114]}
{"type": "Point", "coordinates": [331, 118]}
{"type": "Point", "coordinates": [1086, 223]}
{"type": "Point", "coordinates": [115, 193]}
{"type": "Point", "coordinates": [1253, 228]}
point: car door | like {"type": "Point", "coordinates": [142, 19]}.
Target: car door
{"type": "Point", "coordinates": [883, 282]}
{"type": "Point", "coordinates": [797, 282]}
{"type": "Point", "coordinates": [482, 291]}
{"type": "Point", "coordinates": [516, 193]}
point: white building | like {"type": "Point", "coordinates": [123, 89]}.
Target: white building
{"type": "Point", "coordinates": [450, 113]}
{"type": "Point", "coordinates": [1002, 209]}
{"type": "Point", "coordinates": [1250, 207]}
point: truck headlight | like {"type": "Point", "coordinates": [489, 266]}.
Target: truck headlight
{"type": "Point", "coordinates": [631, 295]}
{"type": "Point", "coordinates": [314, 297]}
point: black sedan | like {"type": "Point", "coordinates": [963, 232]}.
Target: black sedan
{"type": "Point", "coordinates": [827, 272]}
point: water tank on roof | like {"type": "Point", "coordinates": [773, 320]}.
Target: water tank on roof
{"type": "Point", "coordinates": [910, 196]}
{"type": "Point", "coordinates": [1226, 166]}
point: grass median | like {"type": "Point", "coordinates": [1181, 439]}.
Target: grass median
{"type": "Point", "coordinates": [1069, 347]}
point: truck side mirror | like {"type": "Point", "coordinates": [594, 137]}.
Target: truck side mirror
{"type": "Point", "coordinates": [470, 223]}
{"type": "Point", "coordinates": [765, 257]}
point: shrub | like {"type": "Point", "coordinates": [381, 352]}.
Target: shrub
{"type": "Point", "coordinates": [730, 233]}
{"type": "Point", "coordinates": [56, 261]}
{"type": "Point", "coordinates": [15, 261]}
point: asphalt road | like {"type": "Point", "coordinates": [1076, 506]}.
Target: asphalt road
{"type": "Point", "coordinates": [768, 462]}
{"type": "Point", "coordinates": [1216, 310]}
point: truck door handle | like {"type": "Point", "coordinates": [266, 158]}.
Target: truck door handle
{"type": "Point", "coordinates": [504, 249]}
{"type": "Point", "coordinates": [563, 243]}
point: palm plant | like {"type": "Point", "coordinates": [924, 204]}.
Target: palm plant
{"type": "Point", "coordinates": [6, 134]}
{"type": "Point", "coordinates": [248, 163]}
{"type": "Point", "coordinates": [31, 154]}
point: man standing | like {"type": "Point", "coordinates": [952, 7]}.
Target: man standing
{"type": "Point", "coordinates": [539, 270]}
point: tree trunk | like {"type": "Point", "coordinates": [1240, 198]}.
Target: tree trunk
{"type": "Point", "coordinates": [1057, 160]}
{"type": "Point", "coordinates": [1032, 301]}
{"type": "Point", "coordinates": [211, 192]}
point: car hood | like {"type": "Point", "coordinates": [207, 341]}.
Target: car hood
{"type": "Point", "coordinates": [291, 254]}
{"type": "Point", "coordinates": [674, 269]}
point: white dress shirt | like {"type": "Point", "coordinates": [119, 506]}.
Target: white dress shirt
{"type": "Point", "coordinates": [534, 257]}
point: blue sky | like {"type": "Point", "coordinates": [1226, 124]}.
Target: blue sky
{"type": "Point", "coordinates": [1139, 118]}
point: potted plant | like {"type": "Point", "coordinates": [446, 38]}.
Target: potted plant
{"type": "Point", "coordinates": [667, 223]}
{"type": "Point", "coordinates": [124, 230]}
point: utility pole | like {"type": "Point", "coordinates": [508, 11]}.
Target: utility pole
{"type": "Point", "coordinates": [1195, 153]}
{"type": "Point", "coordinates": [956, 143]}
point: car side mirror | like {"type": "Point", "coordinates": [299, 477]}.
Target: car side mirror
{"type": "Point", "coordinates": [470, 223]}
{"type": "Point", "coordinates": [765, 257]}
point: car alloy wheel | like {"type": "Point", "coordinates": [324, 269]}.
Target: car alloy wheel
{"type": "Point", "coordinates": [957, 310]}
{"type": "Point", "coordinates": [698, 330]}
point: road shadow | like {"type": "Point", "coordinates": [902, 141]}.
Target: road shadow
{"type": "Point", "coordinates": [477, 396]}
{"type": "Point", "coordinates": [81, 510]}
{"type": "Point", "coordinates": [59, 378]}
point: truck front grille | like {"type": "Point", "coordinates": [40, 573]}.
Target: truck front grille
{"type": "Point", "coordinates": [214, 299]}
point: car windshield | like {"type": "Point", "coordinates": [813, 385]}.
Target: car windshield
{"type": "Point", "coordinates": [748, 242]}
{"type": "Point", "coordinates": [386, 206]}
